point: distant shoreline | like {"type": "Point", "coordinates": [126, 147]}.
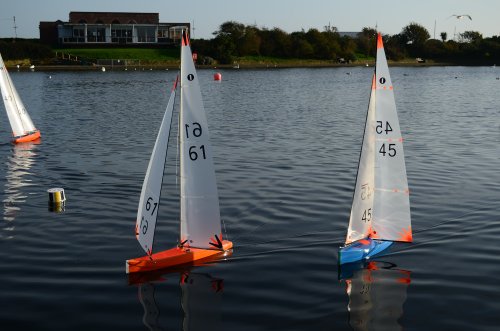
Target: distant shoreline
{"type": "Point", "coordinates": [225, 67]}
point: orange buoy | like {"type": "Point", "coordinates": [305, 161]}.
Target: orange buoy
{"type": "Point", "coordinates": [217, 76]}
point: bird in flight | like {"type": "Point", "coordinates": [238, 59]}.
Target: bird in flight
{"type": "Point", "coordinates": [461, 16]}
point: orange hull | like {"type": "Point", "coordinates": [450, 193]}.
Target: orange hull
{"type": "Point", "coordinates": [29, 137]}
{"type": "Point", "coordinates": [174, 257]}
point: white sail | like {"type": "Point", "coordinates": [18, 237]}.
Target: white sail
{"type": "Point", "coordinates": [149, 201]}
{"type": "Point", "coordinates": [200, 215]}
{"type": "Point", "coordinates": [362, 203]}
{"type": "Point", "coordinates": [19, 119]}
{"type": "Point", "coordinates": [391, 217]}
{"type": "Point", "coordinates": [381, 205]}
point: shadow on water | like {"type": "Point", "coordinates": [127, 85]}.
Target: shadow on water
{"type": "Point", "coordinates": [377, 291]}
{"type": "Point", "coordinates": [201, 296]}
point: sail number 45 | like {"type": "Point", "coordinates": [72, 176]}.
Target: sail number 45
{"type": "Point", "coordinates": [391, 148]}
{"type": "Point", "coordinates": [367, 215]}
{"type": "Point", "coordinates": [380, 127]}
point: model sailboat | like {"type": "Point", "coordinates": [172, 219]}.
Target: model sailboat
{"type": "Point", "coordinates": [200, 223]}
{"type": "Point", "coordinates": [23, 129]}
{"type": "Point", "coordinates": [380, 211]}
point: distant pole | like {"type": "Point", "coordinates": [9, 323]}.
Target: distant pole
{"type": "Point", "coordinates": [192, 30]}
{"type": "Point", "coordinates": [434, 29]}
{"type": "Point", "coordinates": [15, 29]}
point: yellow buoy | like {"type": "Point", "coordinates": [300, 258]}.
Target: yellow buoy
{"type": "Point", "coordinates": [56, 195]}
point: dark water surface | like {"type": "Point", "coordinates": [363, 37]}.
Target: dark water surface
{"type": "Point", "coordinates": [286, 144]}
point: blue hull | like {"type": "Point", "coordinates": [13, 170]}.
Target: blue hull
{"type": "Point", "coordinates": [362, 250]}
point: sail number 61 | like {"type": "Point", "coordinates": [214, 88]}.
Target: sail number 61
{"type": "Point", "coordinates": [144, 223]}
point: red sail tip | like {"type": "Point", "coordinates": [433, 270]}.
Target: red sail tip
{"type": "Point", "coordinates": [380, 44]}
{"type": "Point", "coordinates": [185, 39]}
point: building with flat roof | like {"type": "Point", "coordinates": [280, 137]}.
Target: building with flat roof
{"type": "Point", "coordinates": [111, 28]}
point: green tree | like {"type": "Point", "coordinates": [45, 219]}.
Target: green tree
{"type": "Point", "coordinates": [250, 43]}
{"type": "Point", "coordinates": [470, 37]}
{"type": "Point", "coordinates": [275, 42]}
{"type": "Point", "coordinates": [414, 36]}
{"type": "Point", "coordinates": [444, 36]}
{"type": "Point", "coordinates": [301, 48]}
{"type": "Point", "coordinates": [366, 41]}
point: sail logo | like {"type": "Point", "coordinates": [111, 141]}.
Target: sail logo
{"type": "Point", "coordinates": [190, 77]}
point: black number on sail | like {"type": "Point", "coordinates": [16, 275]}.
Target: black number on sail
{"type": "Point", "coordinates": [391, 150]}
{"type": "Point", "coordinates": [144, 225]}
{"type": "Point", "coordinates": [196, 130]}
{"type": "Point", "coordinates": [382, 80]}
{"type": "Point", "coordinates": [190, 77]}
{"type": "Point", "coordinates": [380, 127]}
{"type": "Point", "coordinates": [365, 192]}
{"type": "Point", "coordinates": [367, 215]}
{"type": "Point", "coordinates": [148, 205]}
{"type": "Point", "coordinates": [193, 155]}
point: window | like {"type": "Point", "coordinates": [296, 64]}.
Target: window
{"type": "Point", "coordinates": [96, 34]}
{"type": "Point", "coordinates": [121, 35]}
{"type": "Point", "coordinates": [146, 34]}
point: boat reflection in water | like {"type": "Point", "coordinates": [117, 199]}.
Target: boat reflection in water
{"type": "Point", "coordinates": [16, 178]}
{"type": "Point", "coordinates": [377, 292]}
{"type": "Point", "coordinates": [200, 302]}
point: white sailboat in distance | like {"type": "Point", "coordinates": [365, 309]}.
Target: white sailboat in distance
{"type": "Point", "coordinates": [200, 235]}
{"type": "Point", "coordinates": [23, 129]}
{"type": "Point", "coordinates": [380, 213]}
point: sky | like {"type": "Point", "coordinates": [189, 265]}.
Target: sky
{"type": "Point", "coordinates": [389, 16]}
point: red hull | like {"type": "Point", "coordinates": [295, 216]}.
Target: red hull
{"type": "Point", "coordinates": [175, 257]}
{"type": "Point", "coordinates": [26, 138]}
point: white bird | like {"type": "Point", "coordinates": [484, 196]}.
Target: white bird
{"type": "Point", "coordinates": [459, 17]}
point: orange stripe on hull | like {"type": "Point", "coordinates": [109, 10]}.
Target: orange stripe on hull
{"type": "Point", "coordinates": [175, 257]}
{"type": "Point", "coordinates": [29, 137]}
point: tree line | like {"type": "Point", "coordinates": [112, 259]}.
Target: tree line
{"type": "Point", "coordinates": [14, 49]}
{"type": "Point", "coordinates": [234, 40]}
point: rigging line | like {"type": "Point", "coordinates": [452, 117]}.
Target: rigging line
{"type": "Point", "coordinates": [450, 220]}
{"type": "Point", "coordinates": [225, 231]}
{"type": "Point", "coordinates": [177, 142]}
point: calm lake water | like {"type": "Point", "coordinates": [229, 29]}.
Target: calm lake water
{"type": "Point", "coordinates": [286, 145]}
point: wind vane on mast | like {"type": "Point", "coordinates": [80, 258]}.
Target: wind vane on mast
{"type": "Point", "coordinates": [15, 28]}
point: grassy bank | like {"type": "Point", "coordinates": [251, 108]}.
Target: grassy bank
{"type": "Point", "coordinates": [145, 55]}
